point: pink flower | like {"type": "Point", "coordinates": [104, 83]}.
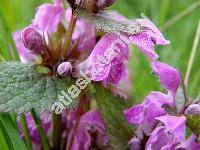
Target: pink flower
{"type": "Point", "coordinates": [148, 38]}
{"type": "Point", "coordinates": [48, 16]}
{"type": "Point", "coordinates": [89, 124]}
{"type": "Point", "coordinates": [144, 115]}
{"type": "Point", "coordinates": [175, 124]}
{"type": "Point", "coordinates": [25, 55]}
{"type": "Point", "coordinates": [110, 53]}
{"type": "Point", "coordinates": [169, 135]}
{"type": "Point", "coordinates": [169, 77]}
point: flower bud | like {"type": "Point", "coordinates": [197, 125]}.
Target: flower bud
{"type": "Point", "coordinates": [64, 69]}
{"type": "Point", "coordinates": [135, 144]}
{"type": "Point", "coordinates": [92, 6]}
{"type": "Point", "coordinates": [105, 3]}
{"type": "Point", "coordinates": [193, 109]}
{"type": "Point", "coordinates": [32, 39]}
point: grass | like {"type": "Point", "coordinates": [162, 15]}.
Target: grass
{"type": "Point", "coordinates": [181, 33]}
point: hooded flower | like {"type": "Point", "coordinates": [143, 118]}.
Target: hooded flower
{"type": "Point", "coordinates": [175, 124]}
{"type": "Point", "coordinates": [169, 77]}
{"type": "Point", "coordinates": [168, 136]}
{"type": "Point", "coordinates": [145, 114]}
{"type": "Point", "coordinates": [48, 16]}
{"type": "Point", "coordinates": [146, 40]}
{"type": "Point", "coordinates": [106, 61]}
{"type": "Point", "coordinates": [161, 138]}
{"type": "Point", "coordinates": [108, 56]}
{"type": "Point", "coordinates": [90, 132]}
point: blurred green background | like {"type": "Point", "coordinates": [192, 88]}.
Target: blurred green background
{"type": "Point", "coordinates": [181, 33]}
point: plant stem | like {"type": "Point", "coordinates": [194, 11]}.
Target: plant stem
{"type": "Point", "coordinates": [57, 130]}
{"type": "Point", "coordinates": [43, 138]}
{"type": "Point", "coordinates": [26, 132]}
{"type": "Point", "coordinates": [184, 90]}
{"type": "Point", "coordinates": [192, 55]}
{"type": "Point", "coordinates": [68, 35]}
{"type": "Point", "coordinates": [75, 126]}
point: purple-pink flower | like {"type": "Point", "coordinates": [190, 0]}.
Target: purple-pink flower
{"type": "Point", "coordinates": [167, 136]}
{"type": "Point", "coordinates": [146, 40]}
{"type": "Point", "coordinates": [105, 58]}
{"type": "Point", "coordinates": [89, 133]}
{"type": "Point", "coordinates": [48, 16]}
{"type": "Point", "coordinates": [169, 77]}
{"type": "Point", "coordinates": [145, 114]}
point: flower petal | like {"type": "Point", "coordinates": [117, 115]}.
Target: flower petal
{"type": "Point", "coordinates": [48, 16]}
{"type": "Point", "coordinates": [109, 50]}
{"type": "Point", "coordinates": [175, 124]}
{"type": "Point", "coordinates": [136, 114]}
{"type": "Point", "coordinates": [148, 110]}
{"type": "Point", "coordinates": [161, 139]}
{"type": "Point", "coordinates": [89, 123]}
{"type": "Point", "coordinates": [169, 77]}
{"type": "Point", "coordinates": [153, 32]}
{"type": "Point", "coordinates": [145, 44]}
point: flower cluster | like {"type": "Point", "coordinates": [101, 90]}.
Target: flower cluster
{"type": "Point", "coordinates": [156, 128]}
{"type": "Point", "coordinates": [68, 45]}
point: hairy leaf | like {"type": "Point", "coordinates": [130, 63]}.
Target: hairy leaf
{"type": "Point", "coordinates": [111, 108]}
{"type": "Point", "coordinates": [23, 88]}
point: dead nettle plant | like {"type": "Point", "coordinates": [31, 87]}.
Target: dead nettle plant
{"type": "Point", "coordinates": [72, 43]}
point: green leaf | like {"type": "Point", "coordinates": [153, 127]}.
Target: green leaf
{"type": "Point", "coordinates": [7, 37]}
{"type": "Point", "coordinates": [23, 88]}
{"type": "Point", "coordinates": [193, 123]}
{"type": "Point", "coordinates": [111, 108]}
{"type": "Point", "coordinates": [9, 136]}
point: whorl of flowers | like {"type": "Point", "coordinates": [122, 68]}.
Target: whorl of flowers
{"type": "Point", "coordinates": [70, 41]}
